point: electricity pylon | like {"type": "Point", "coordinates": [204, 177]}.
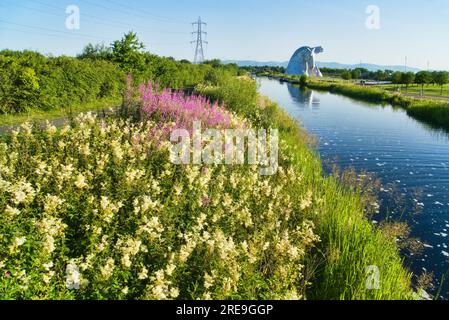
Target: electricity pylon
{"type": "Point", "coordinates": [199, 51]}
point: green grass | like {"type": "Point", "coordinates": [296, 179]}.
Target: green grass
{"type": "Point", "coordinates": [39, 115]}
{"type": "Point", "coordinates": [433, 112]}
{"type": "Point", "coordinates": [349, 242]}
{"type": "Point", "coordinates": [429, 90]}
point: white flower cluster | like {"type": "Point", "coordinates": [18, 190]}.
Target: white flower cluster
{"type": "Point", "coordinates": [102, 213]}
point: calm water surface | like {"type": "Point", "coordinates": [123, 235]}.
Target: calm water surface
{"type": "Point", "coordinates": [411, 159]}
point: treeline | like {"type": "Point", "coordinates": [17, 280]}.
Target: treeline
{"type": "Point", "coordinates": [29, 80]}
{"type": "Point", "coordinates": [422, 78]}
{"type": "Point", "coordinates": [264, 70]}
{"type": "Point", "coordinates": [32, 81]}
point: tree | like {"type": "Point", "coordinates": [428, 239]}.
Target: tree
{"type": "Point", "coordinates": [96, 52]}
{"type": "Point", "coordinates": [303, 81]}
{"type": "Point", "coordinates": [380, 75]}
{"type": "Point", "coordinates": [346, 75]}
{"type": "Point", "coordinates": [127, 52]}
{"type": "Point", "coordinates": [396, 78]}
{"type": "Point", "coordinates": [423, 78]}
{"type": "Point", "coordinates": [441, 78]}
{"type": "Point", "coordinates": [215, 63]}
{"type": "Point", "coordinates": [356, 74]}
{"type": "Point", "coordinates": [407, 78]}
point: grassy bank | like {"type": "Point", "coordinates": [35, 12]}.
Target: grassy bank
{"type": "Point", "coordinates": [369, 94]}
{"type": "Point", "coordinates": [86, 214]}
{"type": "Point", "coordinates": [430, 111]}
{"type": "Point", "coordinates": [433, 112]}
{"type": "Point", "coordinates": [349, 243]}
{"type": "Point", "coordinates": [416, 89]}
{"type": "Point", "coordinates": [34, 83]}
{"type": "Point", "coordinates": [39, 115]}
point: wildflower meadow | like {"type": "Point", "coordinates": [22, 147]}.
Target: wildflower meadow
{"type": "Point", "coordinates": [96, 209]}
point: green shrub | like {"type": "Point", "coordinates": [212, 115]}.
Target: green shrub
{"type": "Point", "coordinates": [436, 113]}
{"type": "Point", "coordinates": [31, 81]}
{"type": "Point", "coordinates": [349, 243]}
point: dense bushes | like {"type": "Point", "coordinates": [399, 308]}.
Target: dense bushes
{"type": "Point", "coordinates": [29, 80]}
{"type": "Point", "coordinates": [349, 243]}
{"type": "Point", "coordinates": [369, 94]}
{"type": "Point", "coordinates": [239, 96]}
{"type": "Point", "coordinates": [434, 113]}
{"type": "Point", "coordinates": [97, 210]}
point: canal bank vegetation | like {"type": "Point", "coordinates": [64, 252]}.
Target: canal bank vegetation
{"type": "Point", "coordinates": [56, 114]}
{"type": "Point", "coordinates": [432, 111]}
{"type": "Point", "coordinates": [424, 83]}
{"type": "Point", "coordinates": [96, 209]}
{"type": "Point", "coordinates": [33, 85]}
{"type": "Point", "coordinates": [337, 266]}
{"type": "Point", "coordinates": [87, 214]}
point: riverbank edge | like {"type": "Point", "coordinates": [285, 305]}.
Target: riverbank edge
{"type": "Point", "coordinates": [349, 242]}
{"type": "Point", "coordinates": [431, 112]}
{"type": "Point", "coordinates": [12, 120]}
{"type": "Point", "coordinates": [350, 245]}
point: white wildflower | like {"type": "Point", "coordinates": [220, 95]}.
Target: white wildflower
{"type": "Point", "coordinates": [73, 276]}
{"type": "Point", "coordinates": [48, 276]}
{"type": "Point", "coordinates": [50, 129]}
{"type": "Point", "coordinates": [126, 261]}
{"type": "Point", "coordinates": [108, 269]}
{"type": "Point", "coordinates": [52, 203]}
{"type": "Point", "coordinates": [17, 243]}
{"type": "Point", "coordinates": [143, 274]}
{"type": "Point", "coordinates": [48, 266]}
{"type": "Point", "coordinates": [174, 293]}
{"type": "Point", "coordinates": [11, 213]}
{"type": "Point", "coordinates": [22, 192]}
{"type": "Point", "coordinates": [307, 201]}
{"type": "Point", "coordinates": [80, 182]}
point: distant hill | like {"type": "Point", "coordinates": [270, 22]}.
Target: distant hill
{"type": "Point", "coordinates": [332, 65]}
{"type": "Point", "coordinates": [250, 63]}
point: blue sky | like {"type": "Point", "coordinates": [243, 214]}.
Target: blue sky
{"type": "Point", "coordinates": [240, 29]}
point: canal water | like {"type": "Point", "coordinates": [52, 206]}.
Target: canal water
{"type": "Point", "coordinates": [410, 158]}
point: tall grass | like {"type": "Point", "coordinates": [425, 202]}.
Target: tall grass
{"type": "Point", "coordinates": [433, 112]}
{"type": "Point", "coordinates": [349, 243]}
{"type": "Point", "coordinates": [86, 208]}
{"type": "Point", "coordinates": [369, 94]}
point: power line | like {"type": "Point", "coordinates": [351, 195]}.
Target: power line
{"type": "Point", "coordinates": [140, 10]}
{"type": "Point", "coordinates": [40, 30]}
{"type": "Point", "coordinates": [125, 12]}
{"type": "Point", "coordinates": [51, 30]}
{"type": "Point", "coordinates": [63, 34]}
{"type": "Point", "coordinates": [45, 33]}
{"type": "Point", "coordinates": [199, 50]}
{"type": "Point", "coordinates": [59, 15]}
{"type": "Point", "coordinates": [94, 19]}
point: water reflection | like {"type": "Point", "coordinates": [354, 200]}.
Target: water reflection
{"type": "Point", "coordinates": [305, 97]}
{"type": "Point", "coordinates": [401, 151]}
